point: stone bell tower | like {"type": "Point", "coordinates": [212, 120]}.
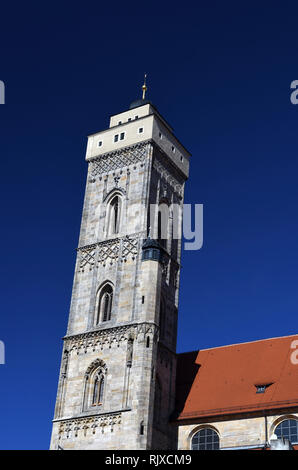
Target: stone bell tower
{"type": "Point", "coordinates": [117, 380]}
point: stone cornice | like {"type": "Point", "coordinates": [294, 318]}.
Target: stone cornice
{"type": "Point", "coordinates": [86, 415]}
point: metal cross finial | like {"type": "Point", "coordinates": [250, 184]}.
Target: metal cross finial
{"type": "Point", "coordinates": [144, 87]}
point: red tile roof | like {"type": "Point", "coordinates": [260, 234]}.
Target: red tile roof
{"type": "Point", "coordinates": [223, 380]}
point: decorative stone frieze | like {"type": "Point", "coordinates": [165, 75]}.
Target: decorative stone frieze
{"type": "Point", "coordinates": [108, 251]}
{"type": "Point", "coordinates": [129, 247]}
{"type": "Point", "coordinates": [87, 257]}
{"type": "Point", "coordinates": [71, 428]}
{"type": "Point", "coordinates": [109, 337]}
{"type": "Point", "coordinates": [118, 159]}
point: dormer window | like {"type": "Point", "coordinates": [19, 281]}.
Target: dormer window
{"type": "Point", "coordinates": [119, 123]}
{"type": "Point", "coordinates": [262, 388]}
{"type": "Point", "coordinates": [136, 117]}
{"type": "Point", "coordinates": [129, 119]}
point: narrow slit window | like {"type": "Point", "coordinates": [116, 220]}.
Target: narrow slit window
{"type": "Point", "coordinates": [114, 216]}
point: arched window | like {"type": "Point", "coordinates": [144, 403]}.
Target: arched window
{"type": "Point", "coordinates": [105, 302]}
{"type": "Point", "coordinates": [98, 389]}
{"type": "Point", "coordinates": [288, 429]}
{"type": "Point", "coordinates": [94, 385]}
{"type": "Point", "coordinates": [114, 212]}
{"type": "Point", "coordinates": [205, 439]}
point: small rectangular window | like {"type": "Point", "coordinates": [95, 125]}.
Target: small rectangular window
{"type": "Point", "coordinates": [122, 135]}
{"type": "Point", "coordinates": [181, 158]}
{"type": "Point", "coordinates": [129, 119]}
{"type": "Point", "coordinates": [143, 299]}
{"type": "Point", "coordinates": [99, 143]}
{"type": "Point", "coordinates": [160, 135]}
{"type": "Point", "coordinates": [173, 148]}
{"type": "Point", "coordinates": [119, 122]}
{"type": "Point", "coordinates": [136, 117]}
{"type": "Point", "coordinates": [141, 130]}
{"type": "Point", "coordinates": [116, 138]}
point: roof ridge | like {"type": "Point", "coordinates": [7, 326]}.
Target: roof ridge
{"type": "Point", "coordinates": [247, 342]}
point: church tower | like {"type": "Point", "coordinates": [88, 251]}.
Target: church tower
{"type": "Point", "coordinates": [117, 380]}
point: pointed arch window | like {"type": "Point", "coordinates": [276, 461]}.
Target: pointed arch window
{"type": "Point", "coordinates": [98, 389]}
{"type": "Point", "coordinates": [95, 385]}
{"type": "Point", "coordinates": [114, 215]}
{"type": "Point", "coordinates": [105, 303]}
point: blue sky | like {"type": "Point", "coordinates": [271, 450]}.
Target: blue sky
{"type": "Point", "coordinates": [220, 73]}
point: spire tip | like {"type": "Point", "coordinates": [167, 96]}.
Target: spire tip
{"type": "Point", "coordinates": [144, 87]}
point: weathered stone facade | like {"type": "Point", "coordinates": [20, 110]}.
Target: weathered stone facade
{"type": "Point", "coordinates": [124, 349]}
{"type": "Point", "coordinates": [242, 432]}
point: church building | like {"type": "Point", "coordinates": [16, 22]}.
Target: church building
{"type": "Point", "coordinates": [122, 385]}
